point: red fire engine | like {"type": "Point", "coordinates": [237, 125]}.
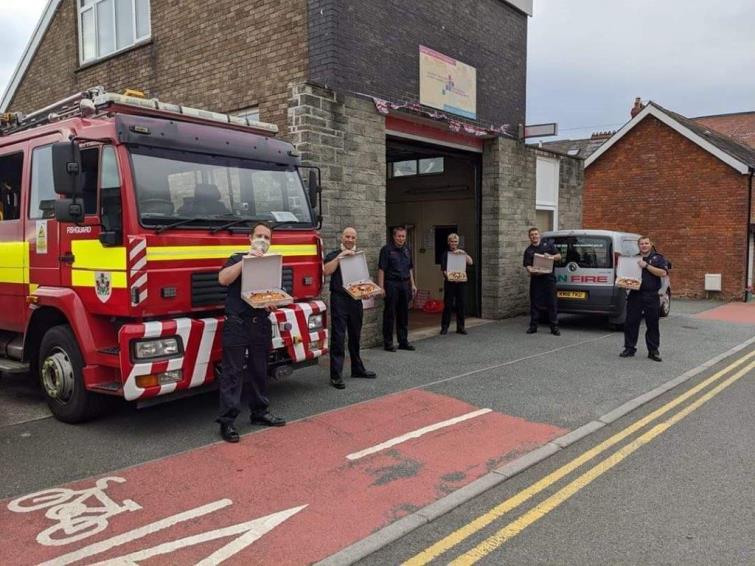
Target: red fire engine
{"type": "Point", "coordinates": [117, 213]}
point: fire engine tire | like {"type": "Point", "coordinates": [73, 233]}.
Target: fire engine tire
{"type": "Point", "coordinates": [666, 304]}
{"type": "Point", "coordinates": [62, 380]}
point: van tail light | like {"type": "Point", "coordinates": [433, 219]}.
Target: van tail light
{"type": "Point", "coordinates": [615, 260]}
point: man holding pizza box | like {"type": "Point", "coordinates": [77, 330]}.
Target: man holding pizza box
{"type": "Point", "coordinates": [246, 339]}
{"type": "Point", "coordinates": [346, 314]}
{"type": "Point", "coordinates": [538, 261]}
{"type": "Point", "coordinates": [645, 302]}
{"type": "Point", "coordinates": [454, 286]}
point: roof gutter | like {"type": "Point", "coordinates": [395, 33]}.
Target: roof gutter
{"type": "Point", "coordinates": [748, 259]}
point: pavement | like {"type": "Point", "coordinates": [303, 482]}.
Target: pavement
{"type": "Point", "coordinates": [356, 465]}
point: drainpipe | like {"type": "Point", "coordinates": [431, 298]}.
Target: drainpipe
{"type": "Point", "coordinates": [749, 220]}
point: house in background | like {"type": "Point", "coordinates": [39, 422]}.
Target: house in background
{"type": "Point", "coordinates": [686, 182]}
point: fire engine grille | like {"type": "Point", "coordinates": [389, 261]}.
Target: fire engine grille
{"type": "Point", "coordinates": [205, 289]}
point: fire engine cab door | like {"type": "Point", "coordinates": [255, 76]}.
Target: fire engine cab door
{"type": "Point", "coordinates": [97, 272]}
{"type": "Point", "coordinates": [41, 226]}
{"type": "Point", "coordinates": [14, 255]}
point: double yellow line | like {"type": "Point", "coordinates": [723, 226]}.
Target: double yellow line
{"type": "Point", "coordinates": [515, 527]}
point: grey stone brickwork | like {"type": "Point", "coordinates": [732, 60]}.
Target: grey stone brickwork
{"type": "Point", "coordinates": [345, 136]}
{"type": "Point", "coordinates": [508, 209]}
{"type": "Point", "coordinates": [570, 189]}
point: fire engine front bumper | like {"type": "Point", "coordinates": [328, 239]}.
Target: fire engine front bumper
{"type": "Point", "coordinates": [186, 350]}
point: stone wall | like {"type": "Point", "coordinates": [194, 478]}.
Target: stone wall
{"type": "Point", "coordinates": [570, 190]}
{"type": "Point", "coordinates": [345, 137]}
{"type": "Point", "coordinates": [508, 209]}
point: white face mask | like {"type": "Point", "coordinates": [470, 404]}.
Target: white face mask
{"type": "Point", "coordinates": [260, 245]}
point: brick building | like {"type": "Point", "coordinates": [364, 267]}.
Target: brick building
{"type": "Point", "coordinates": [410, 109]}
{"type": "Point", "coordinates": [687, 185]}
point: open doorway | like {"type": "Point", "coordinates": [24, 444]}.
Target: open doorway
{"type": "Point", "coordinates": [434, 191]}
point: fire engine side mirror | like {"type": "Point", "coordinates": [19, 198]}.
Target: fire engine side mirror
{"type": "Point", "coordinates": [66, 210]}
{"type": "Point", "coordinates": [66, 166]}
{"type": "Point", "coordinates": [314, 188]}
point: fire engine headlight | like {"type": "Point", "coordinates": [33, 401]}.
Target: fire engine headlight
{"type": "Point", "coordinates": [157, 348]}
{"type": "Point", "coordinates": [315, 321]}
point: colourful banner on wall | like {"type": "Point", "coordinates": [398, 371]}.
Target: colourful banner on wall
{"type": "Point", "coordinates": [447, 84]}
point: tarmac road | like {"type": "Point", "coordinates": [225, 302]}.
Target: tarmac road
{"type": "Point", "coordinates": [534, 388]}
{"type": "Point", "coordinates": [679, 490]}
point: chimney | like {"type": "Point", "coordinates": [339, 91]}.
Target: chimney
{"type": "Point", "coordinates": [601, 136]}
{"type": "Point", "coordinates": [637, 108]}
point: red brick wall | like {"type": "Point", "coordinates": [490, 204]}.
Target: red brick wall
{"type": "Point", "coordinates": [654, 181]}
{"type": "Point", "coordinates": [222, 55]}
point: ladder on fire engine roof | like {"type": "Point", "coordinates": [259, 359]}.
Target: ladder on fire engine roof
{"type": "Point", "coordinates": [96, 102]}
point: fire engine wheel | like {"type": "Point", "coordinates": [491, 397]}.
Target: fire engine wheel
{"type": "Point", "coordinates": [60, 371]}
{"type": "Point", "coordinates": [666, 303]}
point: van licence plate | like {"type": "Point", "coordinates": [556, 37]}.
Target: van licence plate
{"type": "Point", "coordinates": [582, 295]}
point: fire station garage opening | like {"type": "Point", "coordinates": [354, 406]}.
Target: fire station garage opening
{"type": "Point", "coordinates": [433, 191]}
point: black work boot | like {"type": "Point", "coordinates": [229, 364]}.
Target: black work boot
{"type": "Point", "coordinates": [443, 330]}
{"type": "Point", "coordinates": [627, 353]}
{"type": "Point", "coordinates": [555, 331]}
{"type": "Point", "coordinates": [229, 433]}
{"type": "Point", "coordinates": [655, 356]}
{"type": "Point", "coordinates": [532, 330]}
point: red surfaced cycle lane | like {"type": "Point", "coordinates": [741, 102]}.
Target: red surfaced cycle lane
{"type": "Point", "coordinates": [292, 495]}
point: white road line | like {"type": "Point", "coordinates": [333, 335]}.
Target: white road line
{"type": "Point", "coordinates": [416, 434]}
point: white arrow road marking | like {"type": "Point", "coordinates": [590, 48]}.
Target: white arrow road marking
{"type": "Point", "coordinates": [415, 434]}
{"type": "Point", "coordinates": [252, 530]}
{"type": "Point", "coordinates": [135, 534]}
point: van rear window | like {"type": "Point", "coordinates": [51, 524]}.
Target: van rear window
{"type": "Point", "coordinates": [585, 251]}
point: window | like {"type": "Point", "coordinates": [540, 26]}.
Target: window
{"type": "Point", "coordinates": [544, 220]}
{"type": "Point", "coordinates": [430, 166]}
{"type": "Point", "coordinates": [42, 204]}
{"type": "Point", "coordinates": [546, 189]}
{"type": "Point", "coordinates": [585, 251]}
{"type": "Point", "coordinates": [252, 113]}
{"type": "Point", "coordinates": [206, 190]}
{"type": "Point", "coordinates": [427, 166]}
{"type": "Point", "coordinates": [90, 165]}
{"type": "Point", "coordinates": [108, 26]}
{"type": "Point", "coordinates": [405, 168]}
{"type": "Point", "coordinates": [10, 186]}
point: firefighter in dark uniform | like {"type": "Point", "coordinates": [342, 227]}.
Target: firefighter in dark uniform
{"type": "Point", "coordinates": [345, 315]}
{"type": "Point", "coordinates": [246, 340]}
{"type": "Point", "coordinates": [645, 303]}
{"type": "Point", "coordinates": [453, 291]}
{"type": "Point", "coordinates": [396, 278]}
{"type": "Point", "coordinates": [542, 285]}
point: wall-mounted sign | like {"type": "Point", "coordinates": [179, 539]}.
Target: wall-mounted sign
{"type": "Point", "coordinates": [447, 84]}
{"type": "Point", "coordinates": [539, 130]}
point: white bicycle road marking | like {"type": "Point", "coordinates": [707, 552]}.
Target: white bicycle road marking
{"type": "Point", "coordinates": [75, 518]}
{"type": "Point", "coordinates": [415, 434]}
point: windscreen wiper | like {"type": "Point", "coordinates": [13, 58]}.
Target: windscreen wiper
{"type": "Point", "coordinates": [230, 225]}
{"type": "Point", "coordinates": [177, 223]}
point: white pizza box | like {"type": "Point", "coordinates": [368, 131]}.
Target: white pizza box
{"type": "Point", "coordinates": [629, 272]}
{"type": "Point", "coordinates": [542, 264]}
{"type": "Point", "coordinates": [260, 274]}
{"type": "Point", "coordinates": [456, 267]}
{"type": "Point", "coordinates": [354, 271]}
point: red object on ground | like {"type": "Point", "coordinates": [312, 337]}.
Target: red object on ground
{"type": "Point", "coordinates": [742, 313]}
{"type": "Point", "coordinates": [278, 470]}
{"type": "Point", "coordinates": [433, 306]}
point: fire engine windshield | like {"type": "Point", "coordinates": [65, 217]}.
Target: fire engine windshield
{"type": "Point", "coordinates": [203, 190]}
